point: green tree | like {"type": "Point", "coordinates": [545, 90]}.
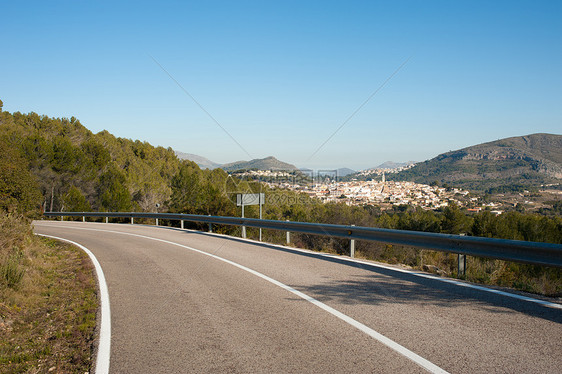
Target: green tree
{"type": "Point", "coordinates": [199, 191]}
{"type": "Point", "coordinates": [66, 157]}
{"type": "Point", "coordinates": [96, 152]}
{"type": "Point", "coordinates": [186, 187]}
{"type": "Point", "coordinates": [114, 196]}
{"type": "Point", "coordinates": [420, 220]}
{"type": "Point", "coordinates": [214, 201]}
{"type": "Point", "coordinates": [454, 221]}
{"type": "Point", "coordinates": [18, 188]}
{"type": "Point", "coordinates": [485, 225]}
{"type": "Point", "coordinates": [75, 201]}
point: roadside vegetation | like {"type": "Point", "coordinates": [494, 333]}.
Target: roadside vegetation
{"type": "Point", "coordinates": [48, 290]}
{"type": "Point", "coordinates": [48, 303]}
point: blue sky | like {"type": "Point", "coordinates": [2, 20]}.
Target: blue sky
{"type": "Point", "coordinates": [282, 77]}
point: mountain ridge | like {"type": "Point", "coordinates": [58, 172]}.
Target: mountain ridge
{"type": "Point", "coordinates": [529, 160]}
{"type": "Point", "coordinates": [202, 162]}
{"type": "Point", "coordinates": [393, 165]}
{"type": "Point", "coordinates": [267, 163]}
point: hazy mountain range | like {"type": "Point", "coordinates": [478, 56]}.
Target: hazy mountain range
{"type": "Point", "coordinates": [271, 163]}
{"type": "Point", "coordinates": [204, 163]}
{"type": "Point", "coordinates": [268, 163]}
{"type": "Point", "coordinates": [394, 165]}
{"type": "Point", "coordinates": [529, 160]}
{"type": "Point", "coordinates": [341, 172]}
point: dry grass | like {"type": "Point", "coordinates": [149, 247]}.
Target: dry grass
{"type": "Point", "coordinates": [47, 318]}
{"type": "Point", "coordinates": [541, 280]}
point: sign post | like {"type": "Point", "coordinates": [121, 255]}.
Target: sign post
{"type": "Point", "coordinates": [243, 199]}
{"type": "Point", "coordinates": [461, 272]}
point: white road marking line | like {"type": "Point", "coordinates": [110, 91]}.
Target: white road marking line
{"type": "Point", "coordinates": [371, 264]}
{"type": "Point", "coordinates": [431, 367]}
{"type": "Point", "coordinates": [104, 346]}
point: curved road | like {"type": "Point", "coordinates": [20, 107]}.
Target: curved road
{"type": "Point", "coordinates": [192, 302]}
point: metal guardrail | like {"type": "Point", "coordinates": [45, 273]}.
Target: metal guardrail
{"type": "Point", "coordinates": [510, 250]}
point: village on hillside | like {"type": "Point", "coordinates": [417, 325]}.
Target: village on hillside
{"type": "Point", "coordinates": [327, 187]}
{"type": "Point", "coordinates": [384, 193]}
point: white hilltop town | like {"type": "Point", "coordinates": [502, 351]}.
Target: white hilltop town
{"type": "Point", "coordinates": [377, 191]}
{"type": "Point", "coordinates": [384, 192]}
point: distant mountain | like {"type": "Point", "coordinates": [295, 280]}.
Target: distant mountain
{"type": "Point", "coordinates": [203, 162]}
{"type": "Point", "coordinates": [529, 160]}
{"type": "Point", "coordinates": [342, 172]}
{"type": "Point", "coordinates": [268, 163]}
{"type": "Point", "coordinates": [394, 165]}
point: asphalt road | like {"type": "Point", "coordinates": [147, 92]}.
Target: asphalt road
{"type": "Point", "coordinates": [258, 308]}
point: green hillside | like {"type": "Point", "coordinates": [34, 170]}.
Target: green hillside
{"type": "Point", "coordinates": [62, 165]}
{"type": "Point", "coordinates": [524, 161]}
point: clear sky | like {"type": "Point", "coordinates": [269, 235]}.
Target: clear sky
{"type": "Point", "coordinates": [281, 77]}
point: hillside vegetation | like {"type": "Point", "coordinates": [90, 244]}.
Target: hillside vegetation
{"type": "Point", "coordinates": [78, 170]}
{"type": "Point", "coordinates": [48, 293]}
{"type": "Point", "coordinates": [526, 161]}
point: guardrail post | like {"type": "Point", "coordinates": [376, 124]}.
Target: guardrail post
{"type": "Point", "coordinates": [156, 221]}
{"type": "Point", "coordinates": [62, 218]}
{"type": "Point", "coordinates": [181, 224]}
{"type": "Point", "coordinates": [106, 219]}
{"type": "Point", "coordinates": [243, 227]}
{"type": "Point", "coordinates": [132, 220]}
{"type": "Point", "coordinates": [83, 218]}
{"type": "Point", "coordinates": [288, 236]}
{"type": "Point", "coordinates": [260, 203]}
{"type": "Point", "coordinates": [352, 247]}
{"type": "Point", "coordinates": [461, 265]}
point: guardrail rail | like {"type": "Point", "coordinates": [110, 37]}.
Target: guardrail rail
{"type": "Point", "coordinates": [536, 253]}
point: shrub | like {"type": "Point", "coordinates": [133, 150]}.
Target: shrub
{"type": "Point", "coordinates": [11, 273]}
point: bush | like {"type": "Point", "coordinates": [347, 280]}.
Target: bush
{"type": "Point", "coordinates": [18, 188]}
{"type": "Point", "coordinates": [15, 231]}
{"type": "Point", "coordinates": [11, 273]}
